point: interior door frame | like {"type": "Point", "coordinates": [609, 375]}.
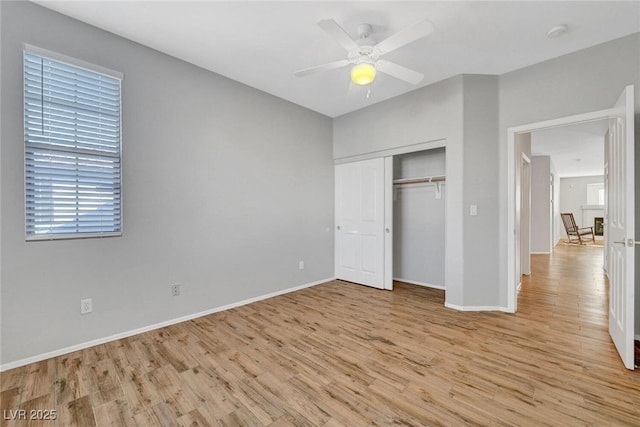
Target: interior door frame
{"type": "Point", "coordinates": [552, 210]}
{"type": "Point", "coordinates": [525, 217]}
{"type": "Point", "coordinates": [512, 240]}
{"type": "Point", "coordinates": [388, 223]}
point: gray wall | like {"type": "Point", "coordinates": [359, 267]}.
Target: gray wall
{"type": "Point", "coordinates": [480, 181]}
{"type": "Point", "coordinates": [419, 220]}
{"type": "Point", "coordinates": [225, 189]}
{"type": "Point", "coordinates": [427, 114]}
{"type": "Point", "coordinates": [541, 204]}
{"type": "Point", "coordinates": [585, 81]}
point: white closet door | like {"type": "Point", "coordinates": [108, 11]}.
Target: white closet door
{"type": "Point", "coordinates": [360, 222]}
{"type": "Point", "coordinates": [621, 217]}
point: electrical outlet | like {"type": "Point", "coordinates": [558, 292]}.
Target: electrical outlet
{"type": "Point", "coordinates": [86, 306]}
{"type": "Point", "coordinates": [175, 290]}
{"type": "Point", "coordinates": [301, 265]}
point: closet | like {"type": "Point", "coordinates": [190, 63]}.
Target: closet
{"type": "Point", "coordinates": [419, 184]}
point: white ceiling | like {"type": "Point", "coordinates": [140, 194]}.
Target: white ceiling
{"type": "Point", "coordinates": [575, 150]}
{"type": "Point", "coordinates": [262, 43]}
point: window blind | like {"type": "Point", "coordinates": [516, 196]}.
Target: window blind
{"type": "Point", "coordinates": [72, 150]}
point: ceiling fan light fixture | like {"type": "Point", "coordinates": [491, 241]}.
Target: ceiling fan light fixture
{"type": "Point", "coordinates": [362, 74]}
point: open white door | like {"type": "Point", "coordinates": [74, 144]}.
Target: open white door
{"type": "Point", "coordinates": [360, 222]}
{"type": "Point", "coordinates": [621, 226]}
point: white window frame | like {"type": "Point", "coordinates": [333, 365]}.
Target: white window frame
{"type": "Point", "coordinates": [95, 69]}
{"type": "Point", "coordinates": [595, 193]}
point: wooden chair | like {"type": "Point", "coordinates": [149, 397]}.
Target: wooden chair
{"type": "Point", "coordinates": [574, 232]}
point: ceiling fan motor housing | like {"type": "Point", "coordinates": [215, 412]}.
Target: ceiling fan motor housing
{"type": "Point", "coordinates": [363, 54]}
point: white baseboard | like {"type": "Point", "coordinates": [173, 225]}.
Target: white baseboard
{"type": "Point", "coordinates": [92, 343]}
{"type": "Point", "coordinates": [540, 253]}
{"type": "Point", "coordinates": [413, 282]}
{"type": "Point", "coordinates": [476, 307]}
{"type": "Point", "coordinates": [637, 337]}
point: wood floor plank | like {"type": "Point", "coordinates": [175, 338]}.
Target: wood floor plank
{"type": "Point", "coordinates": [38, 411]}
{"type": "Point", "coordinates": [195, 418]}
{"type": "Point", "coordinates": [209, 387]}
{"type": "Point", "coordinates": [38, 380]}
{"type": "Point", "coordinates": [239, 418]}
{"type": "Point", "coordinates": [106, 383]}
{"type": "Point", "coordinates": [262, 405]}
{"type": "Point", "coordinates": [341, 354]}
{"type": "Point", "coordinates": [78, 412]}
{"type": "Point", "coordinates": [9, 403]}
{"type": "Point", "coordinates": [174, 391]}
{"type": "Point", "coordinates": [114, 414]}
{"type": "Point", "coordinates": [138, 390]}
{"type": "Point", "coordinates": [71, 381]}
{"type": "Point", "coordinates": [13, 378]}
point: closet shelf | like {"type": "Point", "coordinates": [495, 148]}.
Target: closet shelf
{"type": "Point", "coordinates": [420, 180]}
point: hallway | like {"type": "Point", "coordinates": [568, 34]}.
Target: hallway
{"type": "Point", "coordinates": [567, 292]}
{"type": "Point", "coordinates": [567, 295]}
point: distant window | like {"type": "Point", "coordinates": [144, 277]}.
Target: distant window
{"type": "Point", "coordinates": [595, 194]}
{"type": "Point", "coordinates": [72, 148]}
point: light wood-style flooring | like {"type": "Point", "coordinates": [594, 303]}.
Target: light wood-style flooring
{"type": "Point", "coordinates": [340, 354]}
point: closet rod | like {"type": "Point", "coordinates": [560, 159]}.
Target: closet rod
{"type": "Point", "coordinates": [426, 179]}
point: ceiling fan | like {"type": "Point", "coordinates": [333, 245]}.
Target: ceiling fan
{"type": "Point", "coordinates": [364, 53]}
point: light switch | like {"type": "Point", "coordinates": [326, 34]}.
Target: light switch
{"type": "Point", "coordinates": [473, 210]}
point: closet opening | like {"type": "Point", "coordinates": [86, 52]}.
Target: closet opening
{"type": "Point", "coordinates": [419, 183]}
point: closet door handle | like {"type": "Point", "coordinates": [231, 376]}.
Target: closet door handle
{"type": "Point", "coordinates": [338, 227]}
{"type": "Point", "coordinates": [387, 230]}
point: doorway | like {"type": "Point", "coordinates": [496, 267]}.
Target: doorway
{"type": "Point", "coordinates": [620, 219]}
{"type": "Point", "coordinates": [516, 134]}
{"type": "Point", "coordinates": [419, 217]}
{"type": "Point", "coordinates": [570, 158]}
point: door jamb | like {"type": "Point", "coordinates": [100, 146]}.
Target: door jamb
{"type": "Point", "coordinates": [525, 269]}
{"type": "Point", "coordinates": [388, 223]}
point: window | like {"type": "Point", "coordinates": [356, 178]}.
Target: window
{"type": "Point", "coordinates": [595, 194]}
{"type": "Point", "coordinates": [72, 148]}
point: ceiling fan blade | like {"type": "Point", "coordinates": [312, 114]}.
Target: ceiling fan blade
{"type": "Point", "coordinates": [406, 36]}
{"type": "Point", "coordinates": [336, 31]}
{"type": "Point", "coordinates": [399, 72]}
{"type": "Point", "coordinates": [323, 67]}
